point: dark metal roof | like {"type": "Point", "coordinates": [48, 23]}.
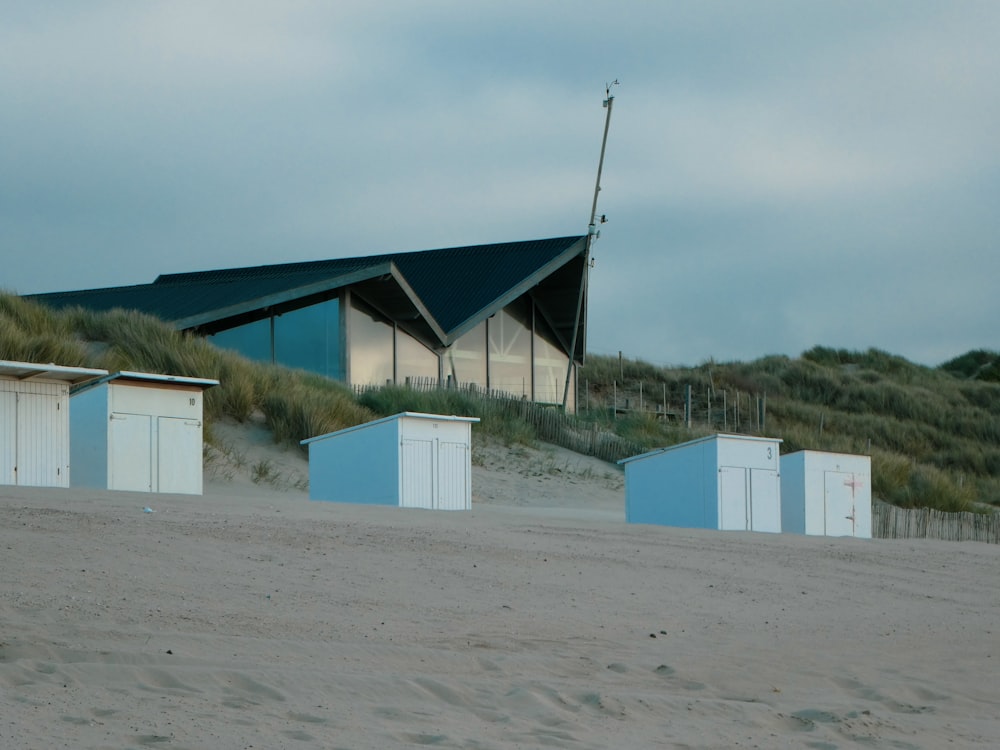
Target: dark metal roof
{"type": "Point", "coordinates": [442, 293]}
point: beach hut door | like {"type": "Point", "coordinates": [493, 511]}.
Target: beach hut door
{"type": "Point", "coordinates": [733, 501]}
{"type": "Point", "coordinates": [179, 455]}
{"type": "Point", "coordinates": [838, 511]}
{"type": "Point", "coordinates": [40, 456]}
{"type": "Point", "coordinates": [765, 500]}
{"type": "Point", "coordinates": [131, 452]}
{"type": "Point", "coordinates": [453, 462]}
{"type": "Point", "coordinates": [417, 473]}
{"type": "Point", "coordinates": [8, 437]}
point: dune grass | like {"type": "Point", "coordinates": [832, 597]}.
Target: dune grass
{"type": "Point", "coordinates": [933, 433]}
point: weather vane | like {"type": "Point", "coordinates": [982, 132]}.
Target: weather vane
{"type": "Point", "coordinates": [607, 91]}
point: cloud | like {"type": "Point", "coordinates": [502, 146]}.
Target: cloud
{"type": "Point", "coordinates": [765, 161]}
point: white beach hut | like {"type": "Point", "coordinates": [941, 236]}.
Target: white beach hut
{"type": "Point", "coordinates": [410, 460]}
{"type": "Point", "coordinates": [727, 482]}
{"type": "Point", "coordinates": [828, 494]}
{"type": "Point", "coordinates": [34, 422]}
{"type": "Point", "coordinates": [138, 431]}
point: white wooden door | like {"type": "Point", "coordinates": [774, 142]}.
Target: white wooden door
{"type": "Point", "coordinates": [131, 453]}
{"type": "Point", "coordinates": [838, 503]}
{"type": "Point", "coordinates": [417, 473]}
{"type": "Point", "coordinates": [42, 451]}
{"type": "Point", "coordinates": [8, 437]}
{"type": "Point", "coordinates": [179, 455]}
{"type": "Point", "coordinates": [733, 504]}
{"type": "Point", "coordinates": [765, 500]}
{"type": "Point", "coordinates": [453, 476]}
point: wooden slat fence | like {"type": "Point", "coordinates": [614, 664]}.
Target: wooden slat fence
{"type": "Point", "coordinates": [553, 426]}
{"type": "Point", "coordinates": [891, 522]}
{"type": "Point", "coordinates": [550, 423]}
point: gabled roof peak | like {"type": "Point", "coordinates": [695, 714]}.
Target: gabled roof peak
{"type": "Point", "coordinates": [337, 266]}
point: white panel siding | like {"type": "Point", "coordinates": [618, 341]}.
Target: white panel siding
{"type": "Point", "coordinates": [179, 464]}
{"type": "Point", "coordinates": [8, 437]}
{"type": "Point", "coordinates": [709, 482]}
{"type": "Point", "coordinates": [733, 507]}
{"type": "Point", "coordinates": [765, 501]}
{"type": "Point", "coordinates": [826, 493]}
{"type": "Point", "coordinates": [838, 503]}
{"type": "Point", "coordinates": [34, 433]}
{"type": "Point", "coordinates": [159, 399]}
{"type": "Point", "coordinates": [409, 460]}
{"type": "Point", "coordinates": [417, 474]}
{"type": "Point", "coordinates": [131, 453]}
{"type": "Point", "coordinates": [453, 476]}
{"type": "Point", "coordinates": [138, 437]}
{"type": "Point", "coordinates": [42, 440]}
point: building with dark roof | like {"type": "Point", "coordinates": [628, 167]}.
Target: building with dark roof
{"type": "Point", "coordinates": [508, 317]}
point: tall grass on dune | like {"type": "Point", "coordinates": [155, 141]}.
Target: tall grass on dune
{"type": "Point", "coordinates": [496, 421]}
{"type": "Point", "coordinates": [32, 333]}
{"type": "Point", "coordinates": [933, 433]}
{"type": "Point", "coordinates": [304, 406]}
{"type": "Point", "coordinates": [944, 429]}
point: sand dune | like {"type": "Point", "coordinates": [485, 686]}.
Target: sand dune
{"type": "Point", "coordinates": [252, 617]}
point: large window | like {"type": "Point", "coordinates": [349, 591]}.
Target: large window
{"type": "Point", "coordinates": [309, 338]}
{"type": "Point", "coordinates": [512, 352]}
{"type": "Point", "coordinates": [414, 361]}
{"type": "Point", "coordinates": [252, 340]}
{"type": "Point", "coordinates": [550, 366]}
{"type": "Point", "coordinates": [465, 360]}
{"type": "Point", "coordinates": [510, 349]}
{"type": "Point", "coordinates": [370, 338]}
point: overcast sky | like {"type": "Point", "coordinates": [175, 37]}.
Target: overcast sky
{"type": "Point", "coordinates": [779, 175]}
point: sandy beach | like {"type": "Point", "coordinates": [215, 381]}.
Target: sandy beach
{"type": "Point", "coordinates": [252, 617]}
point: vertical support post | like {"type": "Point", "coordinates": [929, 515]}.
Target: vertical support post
{"type": "Point", "coordinates": [591, 235]}
{"type": "Point", "coordinates": [271, 319]}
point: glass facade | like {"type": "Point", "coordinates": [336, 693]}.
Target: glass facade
{"type": "Point", "coordinates": [550, 367]}
{"type": "Point", "coordinates": [513, 352]}
{"type": "Point", "coordinates": [465, 360]}
{"type": "Point", "coordinates": [510, 349]}
{"type": "Point", "coordinates": [252, 340]}
{"type": "Point", "coordinates": [309, 338]}
{"type": "Point", "coordinates": [371, 346]}
{"type": "Point", "coordinates": [414, 361]}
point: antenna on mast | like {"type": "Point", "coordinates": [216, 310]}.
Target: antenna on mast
{"type": "Point", "coordinates": [592, 230]}
{"type": "Point", "coordinates": [592, 234]}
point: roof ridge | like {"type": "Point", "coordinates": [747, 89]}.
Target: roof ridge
{"type": "Point", "coordinates": [311, 266]}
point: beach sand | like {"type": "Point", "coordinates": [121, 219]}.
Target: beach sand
{"type": "Point", "coordinates": [253, 617]}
